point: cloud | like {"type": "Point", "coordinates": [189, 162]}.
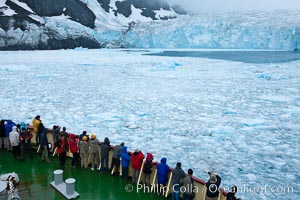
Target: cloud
{"type": "Point", "coordinates": [237, 5]}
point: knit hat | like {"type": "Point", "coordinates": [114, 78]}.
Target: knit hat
{"type": "Point", "coordinates": [93, 136]}
{"type": "Point", "coordinates": [84, 138]}
{"type": "Point", "coordinates": [72, 136]}
{"type": "Point", "coordinates": [213, 178]}
{"type": "Point", "coordinates": [149, 156]}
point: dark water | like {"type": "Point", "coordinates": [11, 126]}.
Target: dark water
{"type": "Point", "coordinates": [239, 56]}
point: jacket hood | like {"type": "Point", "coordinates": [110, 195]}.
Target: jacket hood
{"type": "Point", "coordinates": [106, 140]}
{"type": "Point", "coordinates": [124, 149]}
{"type": "Point", "coordinates": [149, 156]}
{"type": "Point", "coordinates": [163, 161]}
{"type": "Point", "coordinates": [9, 122]}
{"type": "Point", "coordinates": [14, 128]}
{"type": "Point", "coordinates": [72, 136]}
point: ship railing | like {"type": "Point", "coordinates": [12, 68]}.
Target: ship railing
{"type": "Point", "coordinates": [200, 188]}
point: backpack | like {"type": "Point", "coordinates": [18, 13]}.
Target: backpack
{"type": "Point", "coordinates": [22, 125]}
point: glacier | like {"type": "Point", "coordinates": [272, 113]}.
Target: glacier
{"type": "Point", "coordinates": [274, 30]}
{"type": "Point", "coordinates": [238, 119]}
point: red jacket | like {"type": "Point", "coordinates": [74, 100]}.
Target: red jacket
{"type": "Point", "coordinates": [73, 142]}
{"type": "Point", "coordinates": [63, 146]}
{"type": "Point", "coordinates": [137, 160]}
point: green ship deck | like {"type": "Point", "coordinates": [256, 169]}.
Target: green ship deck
{"type": "Point", "coordinates": [36, 175]}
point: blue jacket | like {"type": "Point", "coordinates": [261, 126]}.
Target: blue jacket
{"type": "Point", "coordinates": [8, 127]}
{"type": "Point", "coordinates": [162, 172]}
{"type": "Point", "coordinates": [125, 157]}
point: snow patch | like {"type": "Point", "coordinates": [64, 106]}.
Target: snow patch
{"type": "Point", "coordinates": [23, 5]}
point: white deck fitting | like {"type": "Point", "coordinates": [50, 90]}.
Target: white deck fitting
{"type": "Point", "coordinates": [62, 189]}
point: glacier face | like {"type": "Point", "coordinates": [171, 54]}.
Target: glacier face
{"type": "Point", "coordinates": [278, 30]}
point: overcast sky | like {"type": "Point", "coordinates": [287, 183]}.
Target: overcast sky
{"type": "Point", "coordinates": [242, 5]}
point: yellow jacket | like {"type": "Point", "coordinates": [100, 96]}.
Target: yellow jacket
{"type": "Point", "coordinates": [35, 124]}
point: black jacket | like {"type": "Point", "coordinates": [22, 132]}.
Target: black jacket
{"type": "Point", "coordinates": [105, 147]}
{"type": "Point", "coordinates": [213, 187]}
{"type": "Point", "coordinates": [2, 130]}
{"type": "Point", "coordinates": [230, 196]}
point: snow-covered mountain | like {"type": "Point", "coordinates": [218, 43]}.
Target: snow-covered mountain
{"type": "Point", "coordinates": [56, 24]}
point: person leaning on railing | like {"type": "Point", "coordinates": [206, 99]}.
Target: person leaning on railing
{"type": "Point", "coordinates": [44, 142]}
{"type": "Point", "coordinates": [177, 176]}
{"type": "Point", "coordinates": [147, 169]}
{"type": "Point", "coordinates": [94, 151]}
{"type": "Point", "coordinates": [137, 158]}
{"type": "Point", "coordinates": [105, 147]}
{"type": "Point", "coordinates": [62, 149]}
{"type": "Point", "coordinates": [83, 149]}
{"type": "Point", "coordinates": [189, 186]}
{"type": "Point", "coordinates": [73, 144]}
{"type": "Point", "coordinates": [125, 159]}
{"type": "Point", "coordinates": [55, 134]}
{"type": "Point", "coordinates": [162, 175]}
{"type": "Point", "coordinates": [115, 161]}
{"type": "Point", "coordinates": [35, 123]}
{"type": "Point", "coordinates": [213, 185]}
{"type": "Point", "coordinates": [231, 195]}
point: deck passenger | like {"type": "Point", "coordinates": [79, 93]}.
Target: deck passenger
{"type": "Point", "coordinates": [162, 175]}
{"type": "Point", "coordinates": [84, 148]}
{"type": "Point", "coordinates": [62, 149]}
{"type": "Point", "coordinates": [125, 159]}
{"type": "Point", "coordinates": [64, 133]}
{"type": "Point", "coordinates": [2, 135]}
{"type": "Point", "coordinates": [212, 186]}
{"type": "Point", "coordinates": [14, 140]}
{"type": "Point", "coordinates": [44, 142]}
{"type": "Point", "coordinates": [136, 163]}
{"type": "Point", "coordinates": [105, 147]}
{"type": "Point", "coordinates": [94, 151]}
{"type": "Point", "coordinates": [115, 161]}
{"type": "Point", "coordinates": [8, 128]}
{"type": "Point", "coordinates": [73, 143]}
{"type": "Point", "coordinates": [19, 130]}
{"type": "Point", "coordinates": [55, 134]}
{"type": "Point", "coordinates": [84, 133]}
{"type": "Point", "coordinates": [177, 176]}
{"type": "Point", "coordinates": [189, 186]}
{"type": "Point", "coordinates": [147, 169]}
{"type": "Point", "coordinates": [231, 195]}
{"type": "Point", "coordinates": [39, 132]}
{"type": "Point", "coordinates": [25, 142]}
{"type": "Point", "coordinates": [35, 123]}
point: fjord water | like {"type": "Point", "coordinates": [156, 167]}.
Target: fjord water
{"type": "Point", "coordinates": [238, 119]}
{"type": "Point", "coordinates": [239, 56]}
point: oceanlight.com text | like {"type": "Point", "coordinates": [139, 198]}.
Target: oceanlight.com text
{"type": "Point", "coordinates": [246, 188]}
